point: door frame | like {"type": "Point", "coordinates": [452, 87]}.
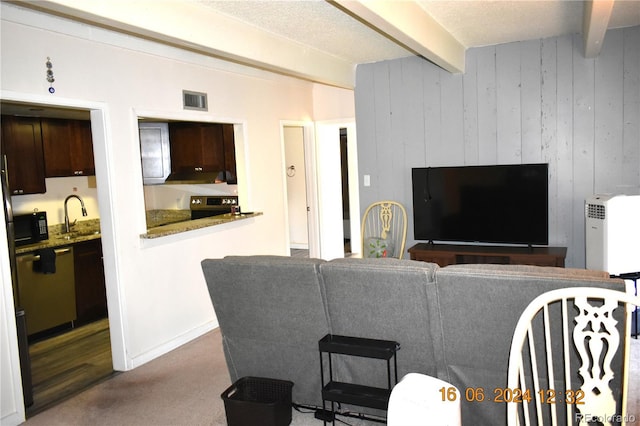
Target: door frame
{"type": "Point", "coordinates": [104, 160]}
{"type": "Point", "coordinates": [311, 181]}
{"type": "Point", "coordinates": [330, 190]}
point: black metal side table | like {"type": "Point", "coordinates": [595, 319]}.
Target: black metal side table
{"type": "Point", "coordinates": [356, 394]}
{"type": "Point", "coordinates": [632, 276]}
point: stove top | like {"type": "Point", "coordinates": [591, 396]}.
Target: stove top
{"type": "Point", "coordinates": [211, 205]}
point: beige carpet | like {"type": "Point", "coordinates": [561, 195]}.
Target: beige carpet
{"type": "Point", "coordinates": [184, 387]}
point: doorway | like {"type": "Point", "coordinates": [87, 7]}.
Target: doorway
{"type": "Point", "coordinates": [297, 202]}
{"type": "Point", "coordinates": [331, 173]}
{"type": "Point", "coordinates": [298, 150]}
{"type": "Point", "coordinates": [346, 209]}
{"type": "Point", "coordinates": [67, 358]}
{"type": "Point", "coordinates": [338, 195]}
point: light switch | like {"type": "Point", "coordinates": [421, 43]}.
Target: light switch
{"type": "Point", "coordinates": [367, 180]}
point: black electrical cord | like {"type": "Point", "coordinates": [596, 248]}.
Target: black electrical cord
{"type": "Point", "coordinates": [312, 409]}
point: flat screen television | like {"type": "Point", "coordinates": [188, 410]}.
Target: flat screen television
{"type": "Point", "coordinates": [506, 204]}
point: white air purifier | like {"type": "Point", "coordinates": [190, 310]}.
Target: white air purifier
{"type": "Point", "coordinates": [613, 233]}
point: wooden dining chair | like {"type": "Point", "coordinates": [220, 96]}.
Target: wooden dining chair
{"type": "Point", "coordinates": [384, 230]}
{"type": "Point", "coordinates": [569, 361]}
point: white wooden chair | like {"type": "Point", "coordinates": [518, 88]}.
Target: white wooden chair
{"type": "Point", "coordinates": [563, 372]}
{"type": "Point", "coordinates": [384, 230]}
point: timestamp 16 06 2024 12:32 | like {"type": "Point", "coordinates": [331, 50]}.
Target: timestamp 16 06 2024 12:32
{"type": "Point", "coordinates": [500, 395]}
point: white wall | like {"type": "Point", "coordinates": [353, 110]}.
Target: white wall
{"type": "Point", "coordinates": [525, 102]}
{"type": "Point", "coordinates": [157, 295]}
{"type": "Point", "coordinates": [332, 103]}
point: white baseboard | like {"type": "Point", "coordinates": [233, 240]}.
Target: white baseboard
{"type": "Point", "coordinates": [173, 344]}
{"type": "Point", "coordinates": [12, 419]}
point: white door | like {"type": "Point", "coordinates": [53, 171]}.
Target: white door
{"type": "Point", "coordinates": [296, 187]}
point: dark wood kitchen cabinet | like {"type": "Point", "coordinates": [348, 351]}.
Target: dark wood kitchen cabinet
{"type": "Point", "coordinates": [91, 295]}
{"type": "Point", "coordinates": [202, 147]}
{"type": "Point", "coordinates": [229, 152]}
{"type": "Point", "coordinates": [68, 147]}
{"type": "Point", "coordinates": [22, 146]}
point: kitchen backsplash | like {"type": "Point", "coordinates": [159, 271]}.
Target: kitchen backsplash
{"type": "Point", "coordinates": [177, 197]}
{"type": "Point", "coordinates": [53, 200]}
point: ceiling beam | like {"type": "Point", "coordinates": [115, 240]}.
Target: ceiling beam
{"type": "Point", "coordinates": [408, 24]}
{"type": "Point", "coordinates": [594, 26]}
{"type": "Point", "coordinates": [187, 25]}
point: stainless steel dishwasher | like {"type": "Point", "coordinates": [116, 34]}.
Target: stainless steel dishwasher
{"type": "Point", "coordinates": [48, 299]}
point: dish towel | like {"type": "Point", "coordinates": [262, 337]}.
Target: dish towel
{"type": "Point", "coordinates": [47, 262]}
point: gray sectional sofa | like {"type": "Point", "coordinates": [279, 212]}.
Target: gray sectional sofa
{"type": "Point", "coordinates": [454, 323]}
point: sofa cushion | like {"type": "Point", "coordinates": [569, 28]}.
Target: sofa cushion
{"type": "Point", "coordinates": [386, 299]}
{"type": "Point", "coordinates": [271, 315]}
{"type": "Point", "coordinates": [530, 270]}
{"type": "Point", "coordinates": [479, 306]}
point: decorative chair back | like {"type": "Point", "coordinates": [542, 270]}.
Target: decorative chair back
{"type": "Point", "coordinates": [384, 230]}
{"type": "Point", "coordinates": [570, 372]}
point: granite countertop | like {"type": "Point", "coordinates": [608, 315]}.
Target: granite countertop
{"type": "Point", "coordinates": [166, 223]}
{"type": "Point", "coordinates": [85, 230]}
{"type": "Point", "coordinates": [157, 218]}
{"type": "Point", "coordinates": [160, 223]}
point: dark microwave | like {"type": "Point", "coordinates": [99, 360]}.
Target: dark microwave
{"type": "Point", "coordinates": [30, 228]}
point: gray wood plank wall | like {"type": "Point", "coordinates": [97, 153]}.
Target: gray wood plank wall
{"type": "Point", "coordinates": [524, 102]}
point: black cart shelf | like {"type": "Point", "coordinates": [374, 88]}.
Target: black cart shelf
{"type": "Point", "coordinates": [633, 276]}
{"type": "Point", "coordinates": [356, 394]}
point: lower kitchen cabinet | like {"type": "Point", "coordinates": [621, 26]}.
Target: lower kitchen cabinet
{"type": "Point", "coordinates": [91, 296]}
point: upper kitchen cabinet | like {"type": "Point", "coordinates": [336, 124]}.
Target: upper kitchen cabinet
{"type": "Point", "coordinates": [229, 153]}
{"type": "Point", "coordinates": [155, 153]}
{"type": "Point", "coordinates": [22, 146]}
{"type": "Point", "coordinates": [68, 147]}
{"type": "Point", "coordinates": [202, 148]}
{"type": "Point", "coordinates": [196, 147]}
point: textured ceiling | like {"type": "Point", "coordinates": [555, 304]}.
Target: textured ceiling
{"type": "Point", "coordinates": [324, 41]}
{"type": "Point", "coordinates": [314, 23]}
{"type": "Point", "coordinates": [481, 23]}
{"type": "Point", "coordinates": [320, 25]}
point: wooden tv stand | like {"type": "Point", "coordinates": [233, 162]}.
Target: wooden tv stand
{"type": "Point", "coordinates": [451, 254]}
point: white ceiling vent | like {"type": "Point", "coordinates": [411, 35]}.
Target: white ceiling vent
{"type": "Point", "coordinates": [194, 100]}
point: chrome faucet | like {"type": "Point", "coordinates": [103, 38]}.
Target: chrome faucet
{"type": "Point", "coordinates": [67, 227]}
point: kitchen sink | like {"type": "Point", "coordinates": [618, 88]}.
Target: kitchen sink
{"type": "Point", "coordinates": [78, 234]}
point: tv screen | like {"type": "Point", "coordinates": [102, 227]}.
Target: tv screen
{"type": "Point", "coordinates": [505, 204]}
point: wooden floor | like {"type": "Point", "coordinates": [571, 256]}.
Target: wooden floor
{"type": "Point", "coordinates": [66, 364]}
